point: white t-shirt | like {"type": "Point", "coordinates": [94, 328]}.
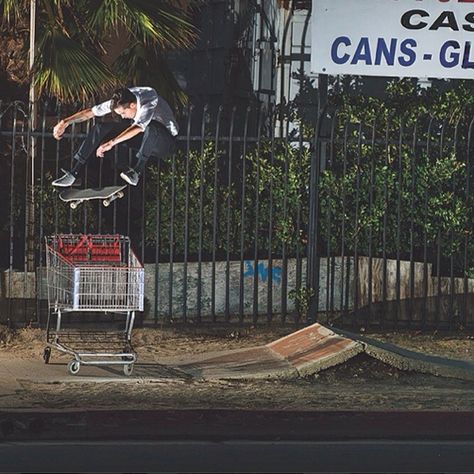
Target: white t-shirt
{"type": "Point", "coordinates": [150, 106]}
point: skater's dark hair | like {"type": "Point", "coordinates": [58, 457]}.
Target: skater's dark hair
{"type": "Point", "coordinates": [122, 98]}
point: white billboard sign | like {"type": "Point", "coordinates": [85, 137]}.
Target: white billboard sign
{"type": "Point", "coordinates": [404, 38]}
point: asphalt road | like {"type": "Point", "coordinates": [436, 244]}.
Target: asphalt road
{"type": "Point", "coordinates": [238, 456]}
{"type": "Point", "coordinates": [235, 441]}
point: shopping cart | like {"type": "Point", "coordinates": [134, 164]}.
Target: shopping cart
{"type": "Point", "coordinates": [92, 274]}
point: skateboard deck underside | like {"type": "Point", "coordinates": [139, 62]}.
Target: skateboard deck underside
{"type": "Point", "coordinates": [91, 193]}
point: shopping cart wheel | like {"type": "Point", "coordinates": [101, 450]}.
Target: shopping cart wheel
{"type": "Point", "coordinates": [73, 367]}
{"type": "Point", "coordinates": [128, 369]}
{"type": "Point", "coordinates": [46, 354]}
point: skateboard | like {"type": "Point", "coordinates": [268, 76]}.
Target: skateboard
{"type": "Point", "coordinates": [78, 196]}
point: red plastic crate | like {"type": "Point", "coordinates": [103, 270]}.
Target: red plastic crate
{"type": "Point", "coordinates": [90, 248]}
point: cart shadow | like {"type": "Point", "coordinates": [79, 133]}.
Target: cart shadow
{"type": "Point", "coordinates": [150, 370]}
{"type": "Point", "coordinates": [142, 370]}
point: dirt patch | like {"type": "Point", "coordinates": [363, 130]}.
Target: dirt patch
{"type": "Point", "coordinates": [459, 346]}
{"type": "Point", "coordinates": [6, 336]}
{"type": "Point", "coordinates": [24, 343]}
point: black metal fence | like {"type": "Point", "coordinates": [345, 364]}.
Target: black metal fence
{"type": "Point", "coordinates": [395, 208]}
{"type": "Point", "coordinates": [260, 217]}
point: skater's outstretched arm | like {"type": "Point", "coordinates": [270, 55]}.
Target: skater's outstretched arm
{"type": "Point", "coordinates": [128, 133]}
{"type": "Point", "coordinates": [78, 117]}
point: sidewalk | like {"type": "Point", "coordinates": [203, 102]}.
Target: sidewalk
{"type": "Point", "coordinates": [302, 353]}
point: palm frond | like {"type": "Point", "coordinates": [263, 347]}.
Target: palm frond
{"type": "Point", "coordinates": [12, 10]}
{"type": "Point", "coordinates": [150, 22]}
{"type": "Point", "coordinates": [66, 70]}
{"type": "Point", "coordinates": [70, 35]}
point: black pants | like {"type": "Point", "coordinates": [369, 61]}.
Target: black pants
{"type": "Point", "coordinates": [156, 141]}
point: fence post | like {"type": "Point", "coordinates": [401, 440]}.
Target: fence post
{"type": "Point", "coordinates": [317, 157]}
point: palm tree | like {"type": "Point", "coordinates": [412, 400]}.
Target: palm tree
{"type": "Point", "coordinates": [74, 37]}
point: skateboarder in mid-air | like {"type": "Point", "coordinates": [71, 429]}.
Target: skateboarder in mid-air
{"type": "Point", "coordinates": [147, 126]}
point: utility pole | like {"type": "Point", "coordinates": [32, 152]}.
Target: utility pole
{"type": "Point", "coordinates": [31, 157]}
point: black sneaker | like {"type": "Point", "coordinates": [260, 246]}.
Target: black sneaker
{"type": "Point", "coordinates": [66, 180]}
{"type": "Point", "coordinates": [130, 176]}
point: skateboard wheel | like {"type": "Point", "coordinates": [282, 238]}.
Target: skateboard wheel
{"type": "Point", "coordinates": [73, 205]}
{"type": "Point", "coordinates": [120, 194]}
{"type": "Point", "coordinates": [106, 202]}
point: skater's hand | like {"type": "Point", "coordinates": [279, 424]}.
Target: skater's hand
{"type": "Point", "coordinates": [103, 148]}
{"type": "Point", "coordinates": [59, 129]}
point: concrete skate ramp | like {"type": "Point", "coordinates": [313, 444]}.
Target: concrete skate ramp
{"type": "Point", "coordinates": [311, 350]}
{"type": "Point", "coordinates": [315, 348]}
{"type": "Point", "coordinates": [301, 353]}
{"type": "Point", "coordinates": [251, 363]}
